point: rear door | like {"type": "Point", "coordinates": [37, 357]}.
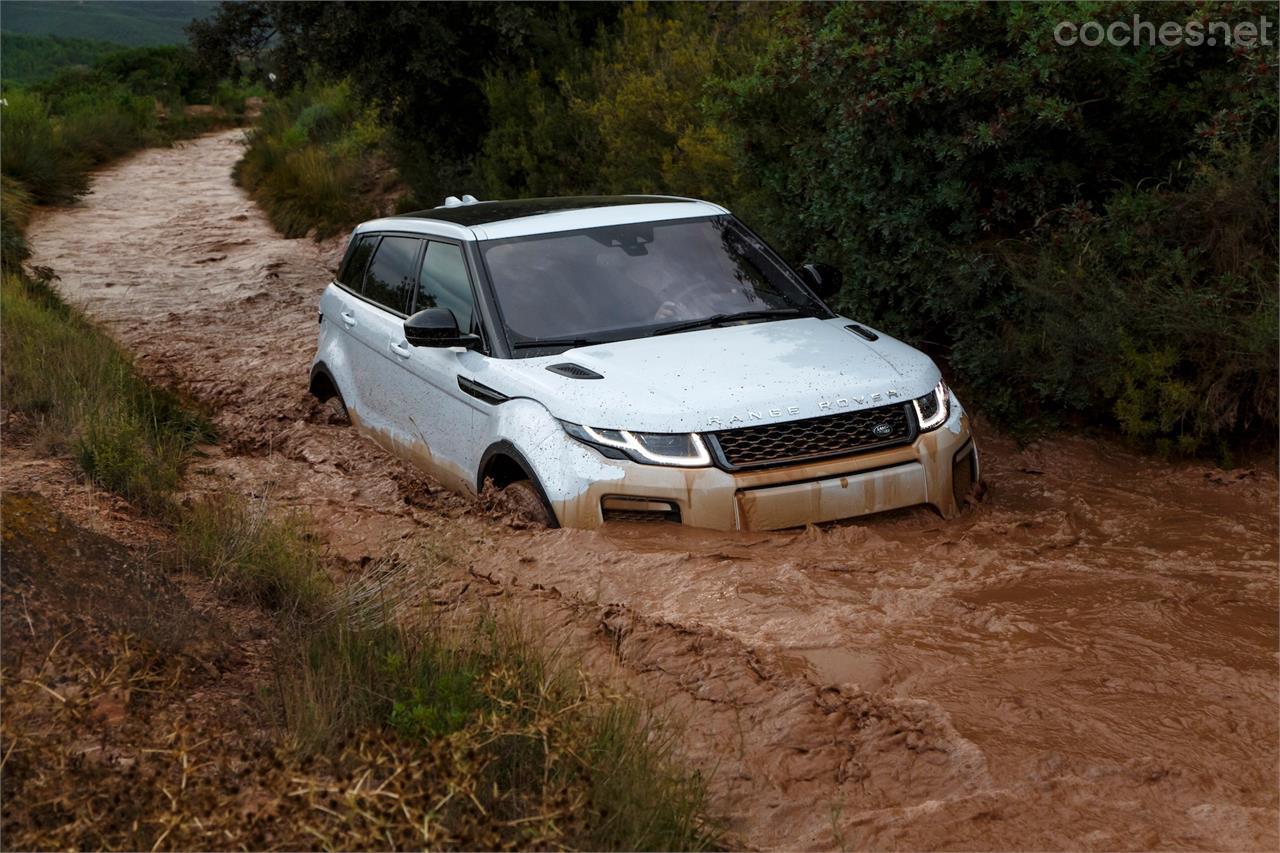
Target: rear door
{"type": "Point", "coordinates": [377, 317]}
{"type": "Point", "coordinates": [340, 306]}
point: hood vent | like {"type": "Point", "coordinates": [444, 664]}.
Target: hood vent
{"type": "Point", "coordinates": [573, 371]}
{"type": "Point", "coordinates": [862, 332]}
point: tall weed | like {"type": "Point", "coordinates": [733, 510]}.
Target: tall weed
{"type": "Point", "coordinates": [34, 152]}
{"type": "Point", "coordinates": [272, 562]}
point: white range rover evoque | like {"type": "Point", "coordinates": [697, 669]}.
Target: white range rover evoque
{"type": "Point", "coordinates": [631, 357]}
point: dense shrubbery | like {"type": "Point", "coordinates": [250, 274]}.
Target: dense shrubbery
{"type": "Point", "coordinates": [634, 114]}
{"type": "Point", "coordinates": [1083, 235]}
{"type": "Point", "coordinates": [1083, 231]}
{"type": "Point", "coordinates": [315, 163]}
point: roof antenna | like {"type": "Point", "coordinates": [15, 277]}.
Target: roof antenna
{"type": "Point", "coordinates": [469, 199]}
{"type": "Point", "coordinates": [453, 201]}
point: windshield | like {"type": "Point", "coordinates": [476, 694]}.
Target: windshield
{"type": "Point", "coordinates": [627, 281]}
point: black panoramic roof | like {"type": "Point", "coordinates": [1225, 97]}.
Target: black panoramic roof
{"type": "Point", "coordinates": [484, 212]}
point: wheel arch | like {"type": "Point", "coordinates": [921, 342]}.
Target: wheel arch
{"type": "Point", "coordinates": [323, 386]}
{"type": "Point", "coordinates": [503, 462]}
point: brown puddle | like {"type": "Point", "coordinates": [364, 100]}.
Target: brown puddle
{"type": "Point", "coordinates": [1087, 660]}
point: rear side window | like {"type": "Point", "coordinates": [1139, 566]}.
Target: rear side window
{"type": "Point", "coordinates": [390, 279]}
{"type": "Point", "coordinates": [443, 283]}
{"type": "Point", "coordinates": [357, 259]}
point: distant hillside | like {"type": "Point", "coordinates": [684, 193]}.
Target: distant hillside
{"type": "Point", "coordinates": [29, 59]}
{"type": "Point", "coordinates": [133, 23]}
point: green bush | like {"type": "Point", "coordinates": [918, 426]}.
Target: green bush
{"type": "Point", "coordinates": [633, 115]}
{"type": "Point", "coordinates": [312, 162]}
{"type": "Point", "coordinates": [1159, 311]}
{"type": "Point", "coordinates": [101, 126]}
{"type": "Point", "coordinates": [34, 153]}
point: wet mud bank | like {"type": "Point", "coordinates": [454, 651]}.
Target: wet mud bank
{"type": "Point", "coordinates": [1087, 660]}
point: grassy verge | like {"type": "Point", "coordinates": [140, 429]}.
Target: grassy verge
{"type": "Point", "coordinates": [77, 392]}
{"type": "Point", "coordinates": [519, 752]}
{"type": "Point", "coordinates": [399, 736]}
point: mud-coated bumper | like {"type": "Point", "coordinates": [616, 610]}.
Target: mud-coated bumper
{"type": "Point", "coordinates": [935, 470]}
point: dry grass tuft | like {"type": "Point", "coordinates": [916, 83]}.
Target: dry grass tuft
{"type": "Point", "coordinates": [272, 562]}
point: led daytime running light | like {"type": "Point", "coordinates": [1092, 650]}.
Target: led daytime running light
{"type": "Point", "coordinates": [940, 414]}
{"type": "Point", "coordinates": [631, 444]}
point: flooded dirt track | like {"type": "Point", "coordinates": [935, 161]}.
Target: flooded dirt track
{"type": "Point", "coordinates": [1088, 660]}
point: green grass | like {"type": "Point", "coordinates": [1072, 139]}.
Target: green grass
{"type": "Point", "coordinates": [80, 393]}
{"type": "Point", "coordinates": [272, 562]}
{"type": "Point", "coordinates": [536, 758]}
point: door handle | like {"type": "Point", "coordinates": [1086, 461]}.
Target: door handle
{"type": "Point", "coordinates": [401, 349]}
{"type": "Point", "coordinates": [348, 318]}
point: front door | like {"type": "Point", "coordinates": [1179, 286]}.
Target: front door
{"type": "Point", "coordinates": [434, 410]}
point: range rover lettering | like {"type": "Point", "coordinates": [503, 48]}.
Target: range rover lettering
{"type": "Point", "coordinates": [631, 357]}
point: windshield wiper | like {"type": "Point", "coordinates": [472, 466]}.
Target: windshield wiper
{"type": "Point", "coordinates": [720, 319]}
{"type": "Point", "coordinates": [568, 343]}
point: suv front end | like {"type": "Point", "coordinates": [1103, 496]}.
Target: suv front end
{"type": "Point", "coordinates": [784, 474]}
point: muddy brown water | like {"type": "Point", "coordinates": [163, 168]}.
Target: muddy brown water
{"type": "Point", "coordinates": [1088, 660]}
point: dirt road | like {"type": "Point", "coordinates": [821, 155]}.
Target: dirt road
{"type": "Point", "coordinates": [1088, 660]}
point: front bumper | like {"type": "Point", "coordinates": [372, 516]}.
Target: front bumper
{"type": "Point", "coordinates": [935, 470]}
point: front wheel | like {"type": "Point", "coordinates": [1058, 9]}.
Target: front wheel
{"type": "Point", "coordinates": [524, 502]}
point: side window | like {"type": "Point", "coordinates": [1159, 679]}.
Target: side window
{"type": "Point", "coordinates": [389, 281]}
{"type": "Point", "coordinates": [443, 283]}
{"type": "Point", "coordinates": [356, 260]}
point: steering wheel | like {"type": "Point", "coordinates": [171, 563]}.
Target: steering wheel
{"type": "Point", "coordinates": [674, 295]}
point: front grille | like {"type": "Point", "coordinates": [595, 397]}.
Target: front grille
{"type": "Point", "coordinates": [831, 435]}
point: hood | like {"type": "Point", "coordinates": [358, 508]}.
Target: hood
{"type": "Point", "coordinates": [712, 379]}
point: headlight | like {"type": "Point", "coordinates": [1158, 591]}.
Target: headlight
{"type": "Point", "coordinates": [933, 408]}
{"type": "Point", "coordinates": [683, 449]}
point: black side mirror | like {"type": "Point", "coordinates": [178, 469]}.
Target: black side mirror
{"type": "Point", "coordinates": [823, 279]}
{"type": "Point", "coordinates": [436, 327]}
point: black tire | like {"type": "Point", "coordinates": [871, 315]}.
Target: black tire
{"type": "Point", "coordinates": [338, 407]}
{"type": "Point", "coordinates": [523, 498]}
